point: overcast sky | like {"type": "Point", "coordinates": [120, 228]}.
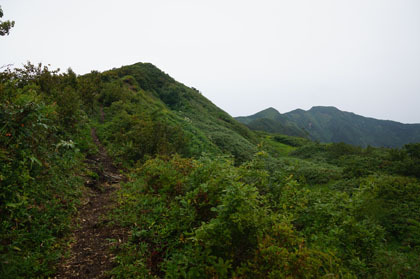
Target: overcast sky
{"type": "Point", "coordinates": [358, 55]}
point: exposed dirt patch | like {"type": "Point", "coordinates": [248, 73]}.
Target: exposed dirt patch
{"type": "Point", "coordinates": [91, 251]}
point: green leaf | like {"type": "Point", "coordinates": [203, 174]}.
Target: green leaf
{"type": "Point", "coordinates": [35, 160]}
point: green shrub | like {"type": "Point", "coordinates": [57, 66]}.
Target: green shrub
{"type": "Point", "coordinates": [39, 168]}
{"type": "Point", "coordinates": [195, 218]}
{"type": "Point", "coordinates": [393, 201]}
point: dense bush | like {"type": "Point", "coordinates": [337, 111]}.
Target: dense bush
{"type": "Point", "coordinates": [203, 221]}
{"type": "Point", "coordinates": [291, 141]}
{"type": "Point", "coordinates": [395, 203]}
{"type": "Point", "coordinates": [131, 137]}
{"type": "Point", "coordinates": [39, 159]}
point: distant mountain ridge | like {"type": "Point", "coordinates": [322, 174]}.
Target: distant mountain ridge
{"type": "Point", "coordinates": [329, 124]}
{"type": "Point", "coordinates": [270, 120]}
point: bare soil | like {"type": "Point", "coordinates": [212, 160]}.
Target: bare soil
{"type": "Point", "coordinates": [91, 252]}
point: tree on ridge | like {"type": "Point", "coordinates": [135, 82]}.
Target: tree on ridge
{"type": "Point", "coordinates": [5, 26]}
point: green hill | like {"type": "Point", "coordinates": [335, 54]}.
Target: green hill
{"type": "Point", "coordinates": [329, 124]}
{"type": "Point", "coordinates": [269, 113]}
{"type": "Point", "coordinates": [270, 120]}
{"type": "Point", "coordinates": [149, 92]}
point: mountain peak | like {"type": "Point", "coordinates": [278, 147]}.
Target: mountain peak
{"type": "Point", "coordinates": [271, 109]}
{"type": "Point", "coordinates": [270, 113]}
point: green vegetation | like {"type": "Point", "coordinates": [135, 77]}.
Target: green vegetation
{"type": "Point", "coordinates": [5, 26]}
{"type": "Point", "coordinates": [42, 141]}
{"type": "Point", "coordinates": [328, 124]}
{"type": "Point", "coordinates": [207, 218]}
{"type": "Point", "coordinates": [205, 196]}
{"type": "Point", "coordinates": [142, 92]}
{"type": "Point", "coordinates": [270, 120]}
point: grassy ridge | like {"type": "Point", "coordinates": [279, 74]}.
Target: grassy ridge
{"type": "Point", "coordinates": [206, 127]}
{"type": "Point", "coordinates": [270, 120]}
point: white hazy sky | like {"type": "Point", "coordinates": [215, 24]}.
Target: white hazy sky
{"type": "Point", "coordinates": [358, 55]}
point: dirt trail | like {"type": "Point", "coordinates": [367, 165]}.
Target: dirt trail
{"type": "Point", "coordinates": [91, 255]}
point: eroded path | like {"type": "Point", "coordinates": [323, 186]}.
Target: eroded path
{"type": "Point", "coordinates": [91, 251]}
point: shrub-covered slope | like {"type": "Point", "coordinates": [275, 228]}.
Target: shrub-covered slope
{"type": "Point", "coordinates": [141, 91]}
{"type": "Point", "coordinates": [44, 137]}
{"type": "Point", "coordinates": [205, 197]}
{"type": "Point", "coordinates": [295, 209]}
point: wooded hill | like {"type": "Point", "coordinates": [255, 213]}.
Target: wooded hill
{"type": "Point", "coordinates": [204, 196]}
{"type": "Point", "coordinates": [329, 124]}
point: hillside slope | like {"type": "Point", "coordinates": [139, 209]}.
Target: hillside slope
{"type": "Point", "coordinates": [144, 91]}
{"type": "Point", "coordinates": [329, 124]}
{"type": "Point", "coordinates": [272, 121]}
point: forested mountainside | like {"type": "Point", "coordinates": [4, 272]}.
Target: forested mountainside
{"type": "Point", "coordinates": [270, 120]}
{"type": "Point", "coordinates": [329, 124]}
{"type": "Point", "coordinates": [195, 194]}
